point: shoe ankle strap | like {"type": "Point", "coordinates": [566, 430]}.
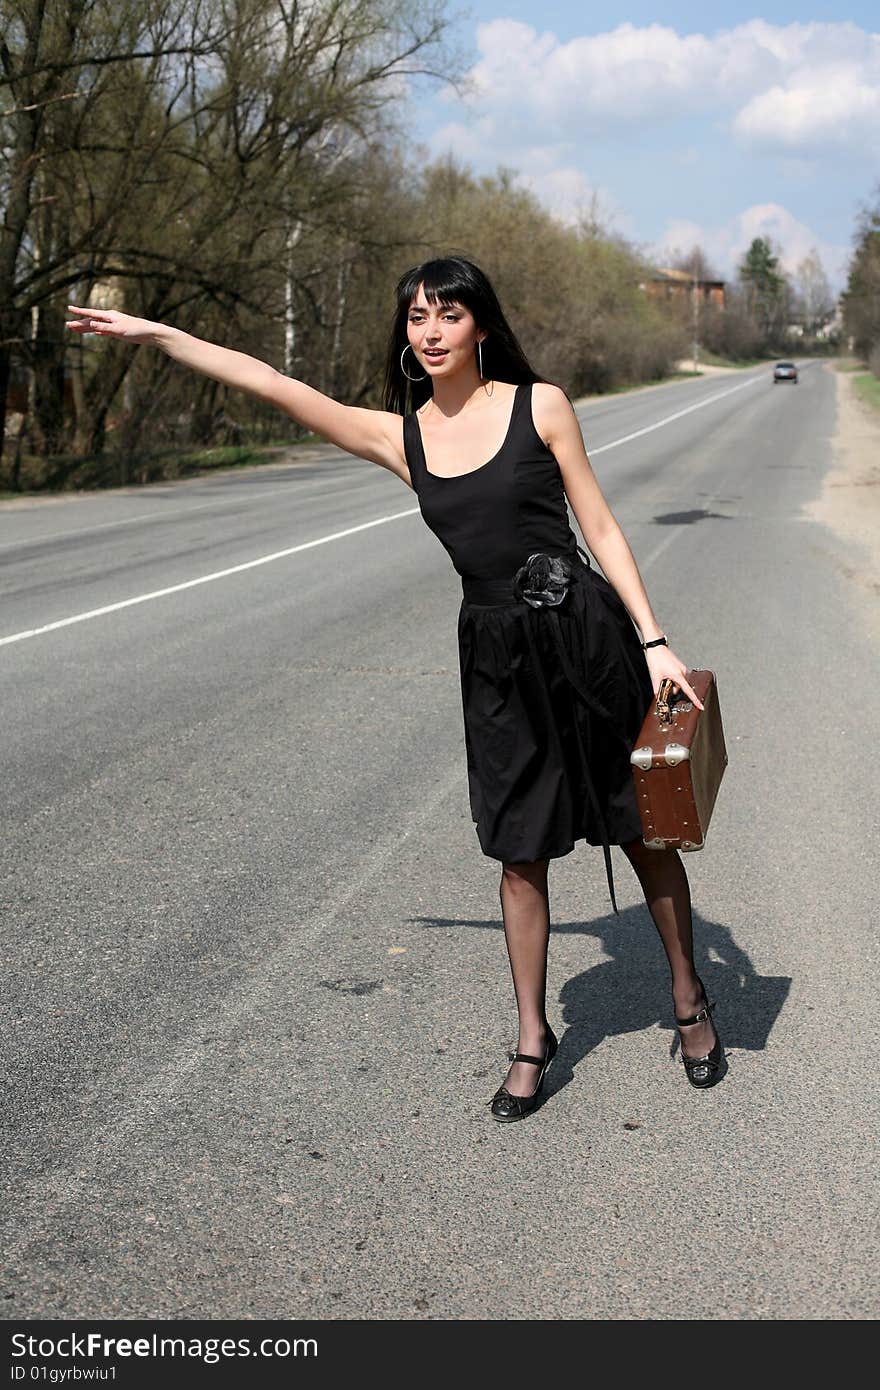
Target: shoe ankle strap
{"type": "Point", "coordinates": [523, 1057]}
{"type": "Point", "coordinates": [702, 1017]}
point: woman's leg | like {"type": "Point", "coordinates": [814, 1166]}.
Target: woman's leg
{"type": "Point", "coordinates": [664, 883]}
{"type": "Point", "coordinates": [525, 907]}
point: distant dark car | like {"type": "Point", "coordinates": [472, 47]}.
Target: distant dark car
{"type": "Point", "coordinates": [785, 371]}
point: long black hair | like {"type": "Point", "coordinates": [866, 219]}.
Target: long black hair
{"type": "Point", "coordinates": [451, 280]}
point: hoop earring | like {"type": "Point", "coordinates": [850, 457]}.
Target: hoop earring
{"type": "Point", "coordinates": [480, 369]}
{"type": "Point", "coordinates": [403, 368]}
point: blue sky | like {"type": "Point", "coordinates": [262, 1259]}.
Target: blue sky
{"type": "Point", "coordinates": [687, 123]}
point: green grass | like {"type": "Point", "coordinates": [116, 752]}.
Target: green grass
{"type": "Point", "coordinates": [865, 384]}
{"type": "Point", "coordinates": [848, 364]}
{"type": "Point", "coordinates": [867, 388]}
{"type": "Point", "coordinates": [231, 456]}
{"type": "Point", "coordinates": [706, 358]}
{"type": "Point", "coordinates": [109, 470]}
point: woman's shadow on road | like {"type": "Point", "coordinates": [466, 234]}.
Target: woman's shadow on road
{"type": "Point", "coordinates": [630, 990]}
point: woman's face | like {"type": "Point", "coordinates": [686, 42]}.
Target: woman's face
{"type": "Point", "coordinates": [443, 337]}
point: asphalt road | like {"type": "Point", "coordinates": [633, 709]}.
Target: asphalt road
{"type": "Point", "coordinates": [256, 991]}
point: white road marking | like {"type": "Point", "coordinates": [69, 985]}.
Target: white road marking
{"type": "Point", "coordinates": [203, 579]}
{"type": "Point", "coordinates": [658, 424]}
{"type": "Point", "coordinates": [338, 535]}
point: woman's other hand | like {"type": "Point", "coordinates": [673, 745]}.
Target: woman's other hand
{"type": "Point", "coordinates": [109, 323]}
{"type": "Point", "coordinates": [663, 665]}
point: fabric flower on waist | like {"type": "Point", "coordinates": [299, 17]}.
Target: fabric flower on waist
{"type": "Point", "coordinates": [543, 580]}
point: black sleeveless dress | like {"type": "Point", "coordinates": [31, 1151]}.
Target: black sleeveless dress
{"type": "Point", "coordinates": [553, 696]}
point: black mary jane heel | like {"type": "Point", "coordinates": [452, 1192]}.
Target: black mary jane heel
{"type": "Point", "coordinates": [506, 1106]}
{"type": "Point", "coordinates": [702, 1071]}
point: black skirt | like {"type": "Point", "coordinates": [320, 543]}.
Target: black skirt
{"type": "Point", "coordinates": [553, 701]}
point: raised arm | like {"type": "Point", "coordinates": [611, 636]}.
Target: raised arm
{"type": "Point", "coordinates": [376, 435]}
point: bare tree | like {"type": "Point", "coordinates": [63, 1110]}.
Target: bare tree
{"type": "Point", "coordinates": [695, 263]}
{"type": "Point", "coordinates": [861, 298]}
{"type": "Point", "coordinates": [57, 64]}
{"type": "Point", "coordinates": [813, 297]}
{"type": "Point", "coordinates": [168, 148]}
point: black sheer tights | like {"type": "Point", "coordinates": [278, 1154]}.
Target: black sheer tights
{"type": "Point", "coordinates": [525, 907]}
{"type": "Point", "coordinates": [665, 886]}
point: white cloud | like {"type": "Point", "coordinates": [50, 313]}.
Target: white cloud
{"type": "Point", "coordinates": [467, 141]}
{"type": "Point", "coordinates": [570, 195]}
{"type": "Point", "coordinates": [828, 109]}
{"type": "Point", "coordinates": [799, 93]}
{"type": "Point", "coordinates": [726, 243]}
{"type": "Point", "coordinates": [792, 84]}
{"type": "Point", "coordinates": [619, 76]}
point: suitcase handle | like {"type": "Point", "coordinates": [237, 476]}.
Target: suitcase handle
{"type": "Point", "coordinates": [664, 701]}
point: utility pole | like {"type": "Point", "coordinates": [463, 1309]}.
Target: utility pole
{"type": "Point", "coordinates": [695, 307]}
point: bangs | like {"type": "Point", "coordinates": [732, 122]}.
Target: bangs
{"type": "Point", "coordinates": [443, 283]}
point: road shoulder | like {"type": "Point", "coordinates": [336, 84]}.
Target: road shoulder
{"type": "Point", "coordinates": [849, 503]}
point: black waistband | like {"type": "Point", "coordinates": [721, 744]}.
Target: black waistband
{"type": "Point", "coordinates": [488, 591]}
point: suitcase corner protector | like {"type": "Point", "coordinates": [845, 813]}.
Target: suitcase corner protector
{"type": "Point", "coordinates": [675, 753]}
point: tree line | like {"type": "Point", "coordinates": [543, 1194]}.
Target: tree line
{"type": "Point", "coordinates": [241, 168]}
{"type": "Point", "coordinates": [861, 298]}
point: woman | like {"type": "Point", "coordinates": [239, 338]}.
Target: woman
{"type": "Point", "coordinates": [555, 683]}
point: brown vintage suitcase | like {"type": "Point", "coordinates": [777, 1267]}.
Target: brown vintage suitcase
{"type": "Point", "coordinates": [678, 762]}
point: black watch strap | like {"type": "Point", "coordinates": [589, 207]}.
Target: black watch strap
{"type": "Point", "coordinates": [657, 642]}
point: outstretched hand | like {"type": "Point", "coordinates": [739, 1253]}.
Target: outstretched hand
{"type": "Point", "coordinates": [109, 323]}
{"type": "Point", "coordinates": [663, 665]}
